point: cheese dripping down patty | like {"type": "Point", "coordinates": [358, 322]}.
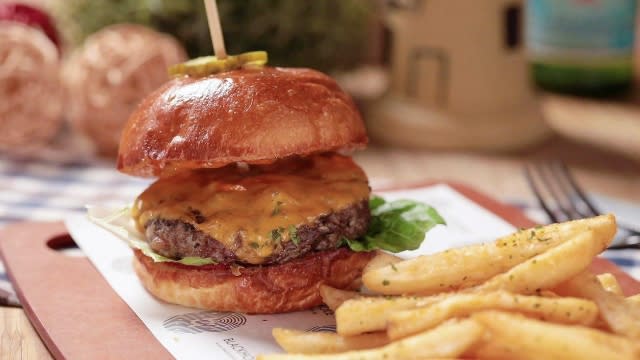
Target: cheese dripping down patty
{"type": "Point", "coordinates": [262, 205]}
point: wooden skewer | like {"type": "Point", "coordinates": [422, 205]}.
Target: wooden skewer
{"type": "Point", "coordinates": [215, 29]}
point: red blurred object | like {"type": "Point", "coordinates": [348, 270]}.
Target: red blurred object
{"type": "Point", "coordinates": [30, 16]}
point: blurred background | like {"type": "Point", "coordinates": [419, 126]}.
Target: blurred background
{"type": "Point", "coordinates": [450, 89]}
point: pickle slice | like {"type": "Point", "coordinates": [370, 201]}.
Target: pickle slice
{"type": "Point", "coordinates": [208, 65]}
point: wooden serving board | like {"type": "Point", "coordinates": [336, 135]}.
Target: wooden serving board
{"type": "Point", "coordinates": [79, 316]}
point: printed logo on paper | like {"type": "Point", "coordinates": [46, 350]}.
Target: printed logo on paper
{"type": "Point", "coordinates": [322, 328]}
{"type": "Point", "coordinates": [205, 321]}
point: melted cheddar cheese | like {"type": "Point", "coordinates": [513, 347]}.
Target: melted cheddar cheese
{"type": "Point", "coordinates": [262, 203]}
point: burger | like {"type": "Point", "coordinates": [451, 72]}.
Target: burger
{"type": "Point", "coordinates": [256, 203]}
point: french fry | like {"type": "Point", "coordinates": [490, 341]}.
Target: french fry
{"type": "Point", "coordinates": [449, 340]}
{"type": "Point", "coordinates": [621, 316]}
{"type": "Point", "coordinates": [333, 297]}
{"type": "Point", "coordinates": [471, 265]}
{"type": "Point", "coordinates": [513, 336]}
{"type": "Point", "coordinates": [559, 310]}
{"type": "Point", "coordinates": [540, 272]}
{"type": "Point", "coordinates": [525, 296]}
{"type": "Point", "coordinates": [303, 342]}
{"type": "Point", "coordinates": [362, 315]}
{"type": "Point", "coordinates": [610, 283]}
{"type": "Point", "coordinates": [548, 293]}
{"type": "Point", "coordinates": [381, 259]}
{"type": "Point", "coordinates": [547, 270]}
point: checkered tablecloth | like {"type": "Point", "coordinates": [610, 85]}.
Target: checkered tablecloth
{"type": "Point", "coordinates": [41, 191]}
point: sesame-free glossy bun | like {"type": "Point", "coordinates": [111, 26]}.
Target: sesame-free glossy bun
{"type": "Point", "coordinates": [249, 115]}
{"type": "Point", "coordinates": [291, 286]}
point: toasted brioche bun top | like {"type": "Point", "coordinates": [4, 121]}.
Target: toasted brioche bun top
{"type": "Point", "coordinates": [247, 115]}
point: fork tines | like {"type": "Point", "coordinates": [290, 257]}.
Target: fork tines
{"type": "Point", "coordinates": [557, 192]}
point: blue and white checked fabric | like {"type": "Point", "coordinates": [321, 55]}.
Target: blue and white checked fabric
{"type": "Point", "coordinates": [41, 191]}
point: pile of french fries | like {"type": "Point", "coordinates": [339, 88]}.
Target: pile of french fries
{"type": "Point", "coordinates": [528, 295]}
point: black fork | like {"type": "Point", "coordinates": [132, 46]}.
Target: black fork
{"type": "Point", "coordinates": [559, 195]}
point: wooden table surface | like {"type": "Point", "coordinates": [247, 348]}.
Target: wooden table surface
{"type": "Point", "coordinates": [499, 175]}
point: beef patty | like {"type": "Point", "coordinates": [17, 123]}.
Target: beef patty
{"type": "Point", "coordinates": [177, 239]}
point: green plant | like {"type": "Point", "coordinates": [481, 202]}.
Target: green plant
{"type": "Point", "coordinates": [324, 34]}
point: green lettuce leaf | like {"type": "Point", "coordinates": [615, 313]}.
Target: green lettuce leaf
{"type": "Point", "coordinates": [121, 224]}
{"type": "Point", "coordinates": [396, 226]}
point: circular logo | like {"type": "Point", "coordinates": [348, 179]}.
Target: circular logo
{"type": "Point", "coordinates": [322, 328]}
{"type": "Point", "coordinates": [205, 321]}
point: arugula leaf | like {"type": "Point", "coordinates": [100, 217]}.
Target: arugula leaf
{"type": "Point", "coordinates": [396, 226]}
{"type": "Point", "coordinates": [375, 202]}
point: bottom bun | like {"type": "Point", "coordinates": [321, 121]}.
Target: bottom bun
{"type": "Point", "coordinates": [269, 289]}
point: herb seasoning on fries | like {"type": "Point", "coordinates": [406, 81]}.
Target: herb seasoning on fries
{"type": "Point", "coordinates": [528, 295]}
